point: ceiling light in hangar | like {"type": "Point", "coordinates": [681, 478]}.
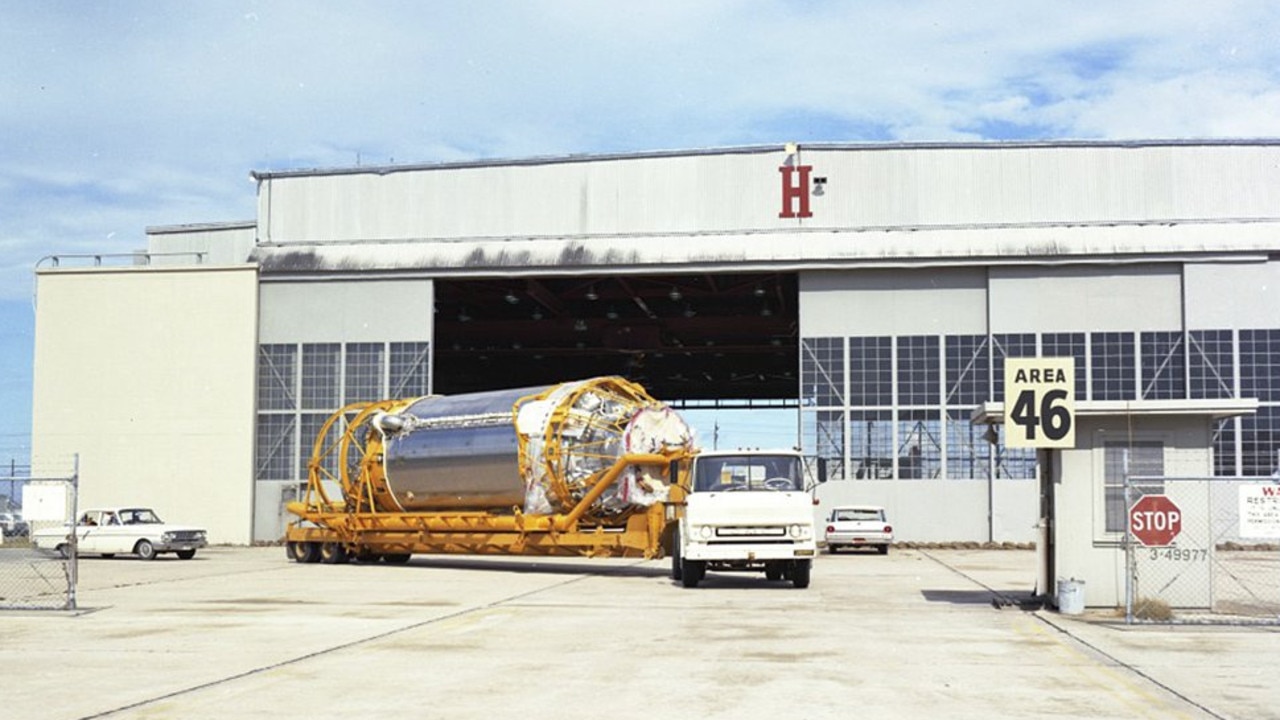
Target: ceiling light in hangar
{"type": "Point", "coordinates": [684, 337]}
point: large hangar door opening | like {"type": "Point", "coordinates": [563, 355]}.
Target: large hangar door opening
{"type": "Point", "coordinates": [684, 337]}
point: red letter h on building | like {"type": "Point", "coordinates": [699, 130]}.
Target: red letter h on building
{"type": "Point", "coordinates": [793, 191]}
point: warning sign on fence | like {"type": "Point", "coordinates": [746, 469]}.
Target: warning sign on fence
{"type": "Point", "coordinates": [1260, 511]}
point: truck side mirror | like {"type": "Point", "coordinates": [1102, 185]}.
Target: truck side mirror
{"type": "Point", "coordinates": [673, 472]}
{"type": "Point", "coordinates": [822, 470]}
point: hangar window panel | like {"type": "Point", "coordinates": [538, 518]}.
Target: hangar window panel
{"type": "Point", "coordinates": [309, 428]}
{"type": "Point", "coordinates": [822, 371]}
{"type": "Point", "coordinates": [1260, 364]}
{"type": "Point", "coordinates": [1112, 366]}
{"type": "Point", "coordinates": [364, 371]}
{"type": "Point", "coordinates": [871, 371]}
{"type": "Point", "coordinates": [918, 371]}
{"type": "Point", "coordinates": [277, 377]}
{"type": "Point", "coordinates": [321, 363]}
{"type": "Point", "coordinates": [968, 452]}
{"type": "Point", "coordinates": [1072, 345]}
{"type": "Point", "coordinates": [824, 436]}
{"type": "Point", "coordinates": [919, 444]}
{"type": "Point", "coordinates": [1008, 345]}
{"type": "Point", "coordinates": [1259, 440]}
{"type": "Point", "coordinates": [1164, 366]}
{"type": "Point", "coordinates": [1224, 447]}
{"type": "Point", "coordinates": [1013, 463]}
{"type": "Point", "coordinates": [1128, 459]}
{"type": "Point", "coordinates": [410, 369]}
{"type": "Point", "coordinates": [276, 443]}
{"type": "Point", "coordinates": [1212, 353]}
{"type": "Point", "coordinates": [967, 379]}
{"type": "Point", "coordinates": [871, 444]}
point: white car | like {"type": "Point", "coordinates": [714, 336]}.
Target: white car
{"type": "Point", "coordinates": [858, 526]}
{"type": "Point", "coordinates": [126, 530]}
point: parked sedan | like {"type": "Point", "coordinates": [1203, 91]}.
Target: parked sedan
{"type": "Point", "coordinates": [858, 526]}
{"type": "Point", "coordinates": [126, 530]}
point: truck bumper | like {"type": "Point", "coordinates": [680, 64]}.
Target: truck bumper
{"type": "Point", "coordinates": [733, 552]}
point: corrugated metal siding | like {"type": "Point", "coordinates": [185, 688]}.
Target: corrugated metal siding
{"type": "Point", "coordinates": [967, 186]}
{"type": "Point", "coordinates": [867, 187]}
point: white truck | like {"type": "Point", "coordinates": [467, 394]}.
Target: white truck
{"type": "Point", "coordinates": [746, 511]}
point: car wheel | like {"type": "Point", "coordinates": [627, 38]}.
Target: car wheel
{"type": "Point", "coordinates": [186, 554]}
{"type": "Point", "coordinates": [833, 549]}
{"type": "Point", "coordinates": [64, 550]}
{"type": "Point", "coordinates": [145, 550]}
{"type": "Point", "coordinates": [884, 549]}
{"type": "Point", "coordinates": [800, 574]}
{"type": "Point", "coordinates": [332, 553]}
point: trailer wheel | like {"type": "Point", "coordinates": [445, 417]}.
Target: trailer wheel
{"type": "Point", "coordinates": [291, 551]}
{"type": "Point", "coordinates": [332, 553]}
{"type": "Point", "coordinates": [308, 552]}
{"type": "Point", "coordinates": [395, 558]}
{"type": "Point", "coordinates": [692, 572]}
{"type": "Point", "coordinates": [800, 574]}
{"type": "Point", "coordinates": [364, 556]}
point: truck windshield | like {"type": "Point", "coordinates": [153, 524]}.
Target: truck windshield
{"type": "Point", "coordinates": [776, 473]}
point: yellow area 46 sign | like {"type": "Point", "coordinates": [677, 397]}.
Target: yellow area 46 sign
{"type": "Point", "coordinates": [1040, 402]}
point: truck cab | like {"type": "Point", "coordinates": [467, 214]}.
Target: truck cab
{"type": "Point", "coordinates": [746, 511]}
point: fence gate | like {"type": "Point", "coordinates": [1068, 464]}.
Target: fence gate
{"type": "Point", "coordinates": [1202, 550]}
{"type": "Point", "coordinates": [35, 513]}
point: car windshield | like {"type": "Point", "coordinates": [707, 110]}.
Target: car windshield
{"type": "Point", "coordinates": [724, 473]}
{"type": "Point", "coordinates": [859, 514]}
{"type": "Point", "coordinates": [141, 516]}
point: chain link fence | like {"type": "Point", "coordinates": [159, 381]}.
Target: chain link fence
{"type": "Point", "coordinates": [37, 563]}
{"type": "Point", "coordinates": [1202, 550]}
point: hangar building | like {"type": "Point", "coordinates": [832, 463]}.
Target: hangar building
{"type": "Point", "coordinates": [875, 289]}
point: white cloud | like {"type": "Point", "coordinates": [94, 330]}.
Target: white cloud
{"type": "Point", "coordinates": [120, 116]}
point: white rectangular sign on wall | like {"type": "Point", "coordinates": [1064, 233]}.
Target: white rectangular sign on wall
{"type": "Point", "coordinates": [1260, 511]}
{"type": "Point", "coordinates": [1040, 402]}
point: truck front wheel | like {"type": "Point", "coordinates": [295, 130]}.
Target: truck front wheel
{"type": "Point", "coordinates": [677, 565]}
{"type": "Point", "coordinates": [773, 572]}
{"type": "Point", "coordinates": [800, 573]}
{"type": "Point", "coordinates": [691, 572]}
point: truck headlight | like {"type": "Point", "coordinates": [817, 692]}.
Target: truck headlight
{"type": "Point", "coordinates": [704, 532]}
{"type": "Point", "coordinates": [799, 531]}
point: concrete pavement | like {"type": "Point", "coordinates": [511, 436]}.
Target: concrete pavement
{"type": "Point", "coordinates": [242, 633]}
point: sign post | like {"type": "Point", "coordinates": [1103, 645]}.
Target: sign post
{"type": "Point", "coordinates": [1039, 402]}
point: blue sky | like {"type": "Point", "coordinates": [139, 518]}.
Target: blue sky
{"type": "Point", "coordinates": [121, 115]}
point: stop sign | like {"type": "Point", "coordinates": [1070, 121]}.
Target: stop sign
{"type": "Point", "coordinates": [1154, 520]}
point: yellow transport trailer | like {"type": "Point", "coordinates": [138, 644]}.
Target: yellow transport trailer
{"type": "Point", "coordinates": [579, 468]}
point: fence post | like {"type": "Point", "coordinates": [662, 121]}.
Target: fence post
{"type": "Point", "coordinates": [73, 571]}
{"type": "Point", "coordinates": [1130, 568]}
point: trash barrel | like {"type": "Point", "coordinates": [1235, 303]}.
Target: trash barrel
{"type": "Point", "coordinates": [1070, 596]}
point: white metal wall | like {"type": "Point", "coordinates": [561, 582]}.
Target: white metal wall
{"type": "Point", "coordinates": [716, 192]}
{"type": "Point", "coordinates": [1089, 298]}
{"type": "Point", "coordinates": [148, 375]}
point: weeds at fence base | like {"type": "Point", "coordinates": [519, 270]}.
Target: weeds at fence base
{"type": "Point", "coordinates": [1152, 609]}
